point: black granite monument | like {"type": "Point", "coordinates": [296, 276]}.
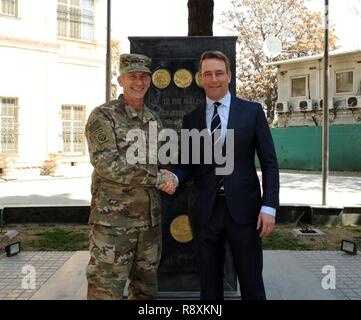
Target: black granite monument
{"type": "Point", "coordinates": [175, 91]}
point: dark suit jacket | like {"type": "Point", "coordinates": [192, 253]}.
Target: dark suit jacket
{"type": "Point", "coordinates": [242, 187]}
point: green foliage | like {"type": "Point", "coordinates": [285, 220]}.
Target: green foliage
{"type": "Point", "coordinates": [281, 241]}
{"type": "Point", "coordinates": [60, 240]}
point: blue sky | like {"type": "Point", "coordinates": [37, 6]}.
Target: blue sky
{"type": "Point", "coordinates": [170, 18]}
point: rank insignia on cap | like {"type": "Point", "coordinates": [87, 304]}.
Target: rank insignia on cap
{"type": "Point", "coordinates": [134, 62]}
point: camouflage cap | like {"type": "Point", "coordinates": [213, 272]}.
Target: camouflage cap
{"type": "Point", "coordinates": [134, 62]}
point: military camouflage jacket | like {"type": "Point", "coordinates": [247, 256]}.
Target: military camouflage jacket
{"type": "Point", "coordinates": [123, 194]}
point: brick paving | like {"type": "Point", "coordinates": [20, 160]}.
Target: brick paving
{"type": "Point", "coordinates": [347, 268]}
{"type": "Point", "coordinates": [15, 283]}
{"type": "Point", "coordinates": [47, 264]}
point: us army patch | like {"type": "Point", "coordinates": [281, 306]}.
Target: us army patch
{"type": "Point", "coordinates": [100, 135]}
{"type": "Point", "coordinates": [99, 132]}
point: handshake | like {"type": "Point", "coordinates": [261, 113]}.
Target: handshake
{"type": "Point", "coordinates": [166, 181]}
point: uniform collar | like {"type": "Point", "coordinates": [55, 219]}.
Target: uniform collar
{"type": "Point", "coordinates": [133, 113]}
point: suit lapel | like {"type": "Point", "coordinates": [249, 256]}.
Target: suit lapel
{"type": "Point", "coordinates": [234, 118]}
{"type": "Point", "coordinates": [202, 117]}
{"type": "Point", "coordinates": [235, 114]}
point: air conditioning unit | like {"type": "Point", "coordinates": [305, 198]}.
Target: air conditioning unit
{"type": "Point", "coordinates": [305, 105]}
{"type": "Point", "coordinates": [292, 106]}
{"type": "Point", "coordinates": [353, 102]}
{"type": "Point", "coordinates": [317, 104]}
{"type": "Point", "coordinates": [339, 103]}
{"type": "Point", "coordinates": [281, 107]}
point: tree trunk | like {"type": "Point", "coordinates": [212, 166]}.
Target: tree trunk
{"type": "Point", "coordinates": [200, 17]}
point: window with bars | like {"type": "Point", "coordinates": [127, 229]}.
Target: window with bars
{"type": "Point", "coordinates": [76, 19]}
{"type": "Point", "coordinates": [9, 7]}
{"type": "Point", "coordinates": [344, 82]}
{"type": "Point", "coordinates": [299, 87]}
{"type": "Point", "coordinates": [9, 125]}
{"type": "Point", "coordinates": [73, 122]}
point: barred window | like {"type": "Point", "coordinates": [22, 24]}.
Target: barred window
{"type": "Point", "coordinates": [8, 7]}
{"type": "Point", "coordinates": [344, 82]}
{"type": "Point", "coordinates": [9, 125]}
{"type": "Point", "coordinates": [73, 122]}
{"type": "Point", "coordinates": [298, 87]}
{"type": "Point", "coordinates": [76, 19]}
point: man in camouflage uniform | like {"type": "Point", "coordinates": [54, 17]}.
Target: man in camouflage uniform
{"type": "Point", "coordinates": [125, 237]}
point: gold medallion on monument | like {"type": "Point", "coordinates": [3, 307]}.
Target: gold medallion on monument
{"type": "Point", "coordinates": [198, 79]}
{"type": "Point", "coordinates": [183, 78]}
{"type": "Point", "coordinates": [161, 78]}
{"type": "Point", "coordinates": [180, 229]}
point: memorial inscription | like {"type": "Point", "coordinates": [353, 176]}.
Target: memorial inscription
{"type": "Point", "coordinates": [175, 91]}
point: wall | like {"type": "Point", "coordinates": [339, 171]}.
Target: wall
{"type": "Point", "coordinates": [44, 72]}
{"type": "Point", "coordinates": [301, 147]}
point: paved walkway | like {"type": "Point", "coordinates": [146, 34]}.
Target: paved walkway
{"type": "Point", "coordinates": [288, 275]}
{"type": "Point", "coordinates": [15, 281]}
{"type": "Point", "coordinates": [297, 187]}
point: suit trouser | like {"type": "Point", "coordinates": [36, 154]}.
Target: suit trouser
{"type": "Point", "coordinates": [246, 249]}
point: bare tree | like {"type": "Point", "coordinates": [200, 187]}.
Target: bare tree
{"type": "Point", "coordinates": [300, 31]}
{"type": "Point", "coordinates": [115, 53]}
{"type": "Point", "coordinates": [200, 17]}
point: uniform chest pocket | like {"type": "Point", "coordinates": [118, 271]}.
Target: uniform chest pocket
{"type": "Point", "coordinates": [121, 137]}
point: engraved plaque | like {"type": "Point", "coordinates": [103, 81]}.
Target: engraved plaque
{"type": "Point", "coordinates": [176, 60]}
{"type": "Point", "coordinates": [183, 78]}
{"type": "Point", "coordinates": [161, 78]}
{"type": "Point", "coordinates": [180, 229]}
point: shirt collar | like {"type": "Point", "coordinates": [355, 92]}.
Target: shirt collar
{"type": "Point", "coordinates": [225, 101]}
{"type": "Point", "coordinates": [147, 115]}
{"type": "Point", "coordinates": [133, 113]}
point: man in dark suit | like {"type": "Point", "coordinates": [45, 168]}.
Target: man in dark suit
{"type": "Point", "coordinates": [230, 207]}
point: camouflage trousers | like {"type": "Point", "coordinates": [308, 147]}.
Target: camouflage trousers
{"type": "Point", "coordinates": [118, 255]}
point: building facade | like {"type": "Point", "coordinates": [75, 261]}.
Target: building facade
{"type": "Point", "coordinates": [297, 129]}
{"type": "Point", "coordinates": [52, 74]}
{"type": "Point", "coordinates": [300, 90]}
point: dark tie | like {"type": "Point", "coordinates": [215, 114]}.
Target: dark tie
{"type": "Point", "coordinates": [216, 124]}
{"type": "Point", "coordinates": [216, 120]}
